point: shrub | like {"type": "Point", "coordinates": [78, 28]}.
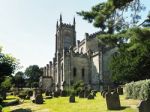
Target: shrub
{"type": "Point", "coordinates": [138, 90]}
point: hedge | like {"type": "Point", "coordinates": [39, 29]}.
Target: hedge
{"type": "Point", "coordinates": [138, 90]}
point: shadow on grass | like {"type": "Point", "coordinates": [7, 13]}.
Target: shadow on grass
{"type": "Point", "coordinates": [22, 110]}
{"type": "Point", "coordinates": [121, 108]}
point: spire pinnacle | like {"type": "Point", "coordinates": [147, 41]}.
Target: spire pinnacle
{"type": "Point", "coordinates": [60, 18]}
{"type": "Point", "coordinates": [74, 21]}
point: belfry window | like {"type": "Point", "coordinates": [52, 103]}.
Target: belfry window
{"type": "Point", "coordinates": [74, 72]}
{"type": "Point", "coordinates": [83, 73]}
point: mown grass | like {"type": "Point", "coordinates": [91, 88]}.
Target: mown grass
{"type": "Point", "coordinates": [62, 104]}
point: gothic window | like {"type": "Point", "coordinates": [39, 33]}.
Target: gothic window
{"type": "Point", "coordinates": [83, 73]}
{"type": "Point", "coordinates": [74, 72]}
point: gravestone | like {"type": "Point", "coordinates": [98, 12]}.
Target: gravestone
{"type": "Point", "coordinates": [39, 99]}
{"type": "Point", "coordinates": [112, 101]}
{"type": "Point", "coordinates": [144, 106]}
{"type": "Point", "coordinates": [120, 90]}
{"type": "Point", "coordinates": [72, 99]}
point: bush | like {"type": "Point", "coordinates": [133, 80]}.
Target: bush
{"type": "Point", "coordinates": [138, 90]}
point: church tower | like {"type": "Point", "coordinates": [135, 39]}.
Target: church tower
{"type": "Point", "coordinates": [65, 36]}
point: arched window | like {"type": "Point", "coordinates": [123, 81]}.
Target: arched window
{"type": "Point", "coordinates": [83, 73]}
{"type": "Point", "coordinates": [74, 72]}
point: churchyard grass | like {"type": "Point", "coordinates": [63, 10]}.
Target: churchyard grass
{"type": "Point", "coordinates": [62, 104]}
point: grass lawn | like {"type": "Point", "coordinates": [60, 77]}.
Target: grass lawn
{"type": "Point", "coordinates": [62, 104]}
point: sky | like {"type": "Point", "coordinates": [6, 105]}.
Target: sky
{"type": "Point", "coordinates": [28, 27]}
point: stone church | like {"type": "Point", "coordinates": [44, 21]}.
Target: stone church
{"type": "Point", "coordinates": [85, 60]}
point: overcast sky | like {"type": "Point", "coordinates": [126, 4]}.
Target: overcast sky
{"type": "Point", "coordinates": [27, 27]}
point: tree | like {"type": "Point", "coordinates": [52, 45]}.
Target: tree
{"type": "Point", "coordinates": [132, 60]}
{"type": "Point", "coordinates": [33, 73]}
{"type": "Point", "coordinates": [19, 79]}
{"type": "Point", "coordinates": [111, 16]}
{"type": "Point", "coordinates": [8, 64]}
{"type": "Point", "coordinates": [7, 83]}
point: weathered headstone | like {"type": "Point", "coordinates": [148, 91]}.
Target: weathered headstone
{"type": "Point", "coordinates": [112, 101]}
{"type": "Point", "coordinates": [72, 99]}
{"type": "Point", "coordinates": [144, 106]}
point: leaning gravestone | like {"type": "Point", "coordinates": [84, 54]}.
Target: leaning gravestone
{"type": "Point", "coordinates": [144, 106]}
{"type": "Point", "coordinates": [112, 101]}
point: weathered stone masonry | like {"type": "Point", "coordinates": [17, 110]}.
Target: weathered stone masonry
{"type": "Point", "coordinates": [85, 60]}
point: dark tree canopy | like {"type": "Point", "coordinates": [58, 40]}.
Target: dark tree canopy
{"type": "Point", "coordinates": [113, 15]}
{"type": "Point", "coordinates": [19, 79]}
{"type": "Point", "coordinates": [33, 73]}
{"type": "Point", "coordinates": [8, 64]}
{"type": "Point", "coordinates": [119, 20]}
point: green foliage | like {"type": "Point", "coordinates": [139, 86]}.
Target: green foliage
{"type": "Point", "coordinates": [138, 90]}
{"type": "Point", "coordinates": [111, 15]}
{"type": "Point", "coordinates": [19, 79]}
{"type": "Point", "coordinates": [78, 86]}
{"type": "Point", "coordinates": [33, 73]}
{"type": "Point", "coordinates": [7, 83]}
{"type": "Point", "coordinates": [132, 60]}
